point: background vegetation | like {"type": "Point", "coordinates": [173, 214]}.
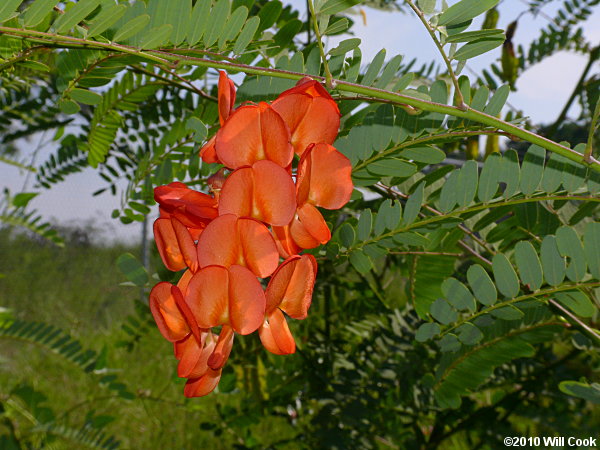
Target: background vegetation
{"type": "Point", "coordinates": [456, 304]}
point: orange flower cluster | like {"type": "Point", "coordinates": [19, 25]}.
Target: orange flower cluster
{"type": "Point", "coordinates": [258, 215]}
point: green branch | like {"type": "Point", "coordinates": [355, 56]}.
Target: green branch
{"type": "Point", "coordinates": [171, 59]}
{"type": "Point", "coordinates": [458, 93]}
{"type": "Point", "coordinates": [534, 296]}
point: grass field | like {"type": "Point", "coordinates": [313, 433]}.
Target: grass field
{"type": "Point", "coordinates": [77, 288]}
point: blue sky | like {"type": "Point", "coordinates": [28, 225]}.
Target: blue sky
{"type": "Point", "coordinates": [542, 92]}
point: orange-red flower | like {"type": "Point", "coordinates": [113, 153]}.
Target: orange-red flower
{"type": "Point", "coordinates": [290, 290]}
{"type": "Point", "coordinates": [310, 113]}
{"type": "Point", "coordinates": [324, 179]}
{"type": "Point", "coordinates": [225, 242]}
{"type": "Point", "coordinates": [226, 296]}
{"type": "Point", "coordinates": [264, 191]}
{"type": "Point", "coordinates": [230, 240]}
{"type": "Point", "coordinates": [253, 133]}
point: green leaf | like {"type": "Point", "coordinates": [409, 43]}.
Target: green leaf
{"type": "Point", "coordinates": [552, 263]}
{"type": "Point", "coordinates": [532, 169]}
{"type": "Point", "coordinates": [511, 173]}
{"type": "Point", "coordinates": [505, 276]}
{"type": "Point", "coordinates": [476, 48]}
{"type": "Point", "coordinates": [38, 12]}
{"type": "Point", "coordinates": [269, 14]}
{"type": "Point", "coordinates": [179, 13]}
{"type": "Point", "coordinates": [469, 334]}
{"type": "Point", "coordinates": [199, 20]}
{"type": "Point", "coordinates": [427, 331]}
{"type": "Point", "coordinates": [448, 196]}
{"type": "Point", "coordinates": [413, 204]}
{"type": "Point", "coordinates": [216, 22]}
{"type": "Point", "coordinates": [199, 128]}
{"type": "Point", "coordinates": [570, 247]}
{"type": "Point", "coordinates": [76, 14]}
{"type": "Point", "coordinates": [392, 167]}
{"type": "Point", "coordinates": [591, 393]}
{"type": "Point", "coordinates": [458, 294]}
{"type": "Point", "coordinates": [507, 313]}
{"type": "Point", "coordinates": [443, 312]}
{"type": "Point", "coordinates": [284, 37]}
{"type": "Point", "coordinates": [426, 154]}
{"type": "Point", "coordinates": [591, 244]}
{"type": "Point", "coordinates": [246, 35]}
{"type": "Point", "coordinates": [577, 302]}
{"type": "Point", "coordinates": [86, 97]}
{"type": "Point", "coordinates": [7, 9]}
{"type": "Point", "coordinates": [361, 262]}
{"type": "Point", "coordinates": [553, 173]}
{"type": "Point", "coordinates": [427, 6]}
{"type": "Point", "coordinates": [131, 28]}
{"type": "Point", "coordinates": [347, 235]}
{"type": "Point", "coordinates": [465, 10]}
{"type": "Point", "coordinates": [473, 35]}
{"type": "Point", "coordinates": [156, 37]}
{"type": "Point", "coordinates": [529, 265]}
{"type": "Point", "coordinates": [23, 198]}
{"type": "Point", "coordinates": [132, 269]}
{"type": "Point", "coordinates": [107, 18]}
{"type": "Point", "coordinates": [337, 27]}
{"type": "Point", "coordinates": [410, 239]}
{"type": "Point", "coordinates": [365, 223]}
{"type": "Point", "coordinates": [235, 24]}
{"type": "Point", "coordinates": [344, 47]}
{"type": "Point", "coordinates": [490, 175]}
{"type": "Point", "coordinates": [467, 183]}
{"type": "Point", "coordinates": [574, 174]}
{"type": "Point", "coordinates": [481, 285]}
{"type": "Point", "coordinates": [331, 7]}
{"type": "Point", "coordinates": [69, 107]}
{"type": "Point", "coordinates": [449, 343]}
{"type": "Point", "coordinates": [496, 103]}
{"type": "Point", "coordinates": [374, 68]}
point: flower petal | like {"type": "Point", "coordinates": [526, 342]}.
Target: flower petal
{"type": "Point", "coordinates": [167, 315]}
{"type": "Point", "coordinates": [226, 96]}
{"type": "Point", "coordinates": [246, 300]}
{"type": "Point", "coordinates": [310, 120]}
{"type": "Point", "coordinates": [208, 296]}
{"type": "Point", "coordinates": [266, 338]}
{"type": "Point", "coordinates": [324, 177]}
{"type": "Point", "coordinates": [264, 191]}
{"type": "Point", "coordinates": [219, 243]}
{"type": "Point", "coordinates": [291, 286]}
{"type": "Point", "coordinates": [208, 152]}
{"type": "Point", "coordinates": [309, 229]}
{"type": "Point", "coordinates": [193, 356]}
{"type": "Point", "coordinates": [284, 241]}
{"type": "Point", "coordinates": [167, 245]}
{"type": "Point", "coordinates": [204, 385]}
{"type": "Point", "coordinates": [281, 332]}
{"type": "Point", "coordinates": [253, 133]}
{"type": "Point", "coordinates": [222, 349]}
{"type": "Point", "coordinates": [258, 247]}
{"type": "Point", "coordinates": [186, 244]}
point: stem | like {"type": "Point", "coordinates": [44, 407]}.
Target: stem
{"type": "Point", "coordinates": [169, 59]}
{"type": "Point", "coordinates": [461, 101]}
{"type": "Point", "coordinates": [535, 295]}
{"type": "Point", "coordinates": [589, 331]}
{"type": "Point", "coordinates": [589, 147]}
{"type": "Point", "coordinates": [328, 78]}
